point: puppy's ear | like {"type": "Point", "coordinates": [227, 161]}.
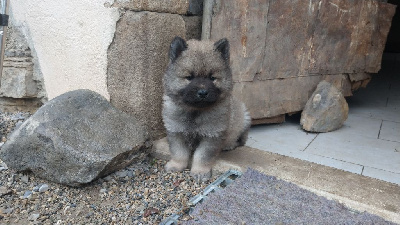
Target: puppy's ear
{"type": "Point", "coordinates": [178, 45]}
{"type": "Point", "coordinates": [222, 46]}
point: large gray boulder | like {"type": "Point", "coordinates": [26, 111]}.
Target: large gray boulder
{"type": "Point", "coordinates": [326, 110]}
{"type": "Point", "coordinates": [74, 139]}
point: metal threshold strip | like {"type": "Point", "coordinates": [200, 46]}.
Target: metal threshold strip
{"type": "Point", "coordinates": [220, 183]}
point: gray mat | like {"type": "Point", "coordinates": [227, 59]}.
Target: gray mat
{"type": "Point", "coordinates": [256, 198]}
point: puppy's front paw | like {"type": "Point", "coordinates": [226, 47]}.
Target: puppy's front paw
{"type": "Point", "coordinates": [201, 174]}
{"type": "Point", "coordinates": [174, 166]}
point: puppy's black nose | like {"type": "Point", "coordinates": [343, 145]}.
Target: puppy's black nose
{"type": "Point", "coordinates": [202, 93]}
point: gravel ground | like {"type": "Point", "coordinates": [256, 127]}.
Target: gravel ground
{"type": "Point", "coordinates": [142, 193]}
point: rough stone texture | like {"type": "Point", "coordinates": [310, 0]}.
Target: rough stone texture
{"type": "Point", "coordinates": [183, 7]}
{"type": "Point", "coordinates": [18, 79]}
{"type": "Point", "coordinates": [326, 110]}
{"type": "Point", "coordinates": [193, 27]}
{"type": "Point", "coordinates": [280, 50]}
{"type": "Point", "coordinates": [20, 104]}
{"type": "Point", "coordinates": [137, 60]}
{"type": "Point", "coordinates": [74, 139]}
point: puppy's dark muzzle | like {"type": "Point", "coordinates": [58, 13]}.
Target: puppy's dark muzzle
{"type": "Point", "coordinates": [200, 93]}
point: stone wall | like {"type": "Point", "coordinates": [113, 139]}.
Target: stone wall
{"type": "Point", "coordinates": [138, 56]}
{"type": "Point", "coordinates": [21, 84]}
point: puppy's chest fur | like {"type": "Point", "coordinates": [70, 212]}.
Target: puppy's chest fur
{"type": "Point", "coordinates": [212, 122]}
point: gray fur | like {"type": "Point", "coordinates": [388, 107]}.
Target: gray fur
{"type": "Point", "coordinates": [199, 112]}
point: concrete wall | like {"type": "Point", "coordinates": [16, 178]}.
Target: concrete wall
{"type": "Point", "coordinates": [70, 39]}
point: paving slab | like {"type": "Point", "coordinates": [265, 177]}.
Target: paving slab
{"type": "Point", "coordinates": [390, 131]}
{"type": "Point", "coordinates": [357, 149]}
{"type": "Point", "coordinates": [284, 138]}
{"type": "Point", "coordinates": [290, 140]}
{"type": "Point", "coordinates": [359, 126]}
{"type": "Point", "coordinates": [381, 174]}
{"type": "Point", "coordinates": [374, 112]}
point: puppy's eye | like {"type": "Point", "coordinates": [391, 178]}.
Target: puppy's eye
{"type": "Point", "coordinates": [211, 77]}
{"type": "Point", "coordinates": [190, 77]}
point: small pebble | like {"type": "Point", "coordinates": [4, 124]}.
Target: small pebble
{"type": "Point", "coordinates": [121, 174]}
{"type": "Point", "coordinates": [34, 216]}
{"type": "Point", "coordinates": [66, 209]}
{"type": "Point", "coordinates": [17, 116]}
{"type": "Point", "coordinates": [6, 211]}
{"type": "Point", "coordinates": [36, 188]}
{"type": "Point", "coordinates": [150, 211]}
{"type": "Point", "coordinates": [4, 191]}
{"type": "Point", "coordinates": [27, 194]}
{"type": "Point", "coordinates": [43, 188]}
{"type": "Point", "coordinates": [18, 124]}
{"type": "Point", "coordinates": [130, 173]}
{"type": "Point", "coordinates": [25, 178]}
{"type": "Point", "coordinates": [140, 209]}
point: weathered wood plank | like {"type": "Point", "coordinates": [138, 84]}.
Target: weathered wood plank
{"type": "Point", "coordinates": [335, 38]}
{"type": "Point", "coordinates": [270, 98]}
{"type": "Point", "coordinates": [244, 22]}
{"type": "Point", "coordinates": [382, 14]}
{"type": "Point", "coordinates": [289, 32]}
{"type": "Point", "coordinates": [281, 50]}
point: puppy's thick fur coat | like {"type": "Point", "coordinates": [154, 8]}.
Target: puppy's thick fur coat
{"type": "Point", "coordinates": [200, 114]}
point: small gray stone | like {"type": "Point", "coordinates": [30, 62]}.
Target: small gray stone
{"type": "Point", "coordinates": [4, 191]}
{"type": "Point", "coordinates": [11, 179]}
{"type": "Point", "coordinates": [326, 110]}
{"type": "Point", "coordinates": [103, 190]}
{"type": "Point", "coordinates": [25, 178]}
{"type": "Point", "coordinates": [36, 188]}
{"type": "Point", "coordinates": [18, 124]}
{"type": "Point", "coordinates": [121, 174]}
{"type": "Point", "coordinates": [17, 116]}
{"type": "Point", "coordinates": [43, 188]}
{"type": "Point", "coordinates": [130, 173]}
{"type": "Point", "coordinates": [108, 178]}
{"type": "Point", "coordinates": [6, 210]}
{"type": "Point", "coordinates": [140, 209]}
{"type": "Point", "coordinates": [34, 216]}
{"type": "Point", "coordinates": [27, 194]}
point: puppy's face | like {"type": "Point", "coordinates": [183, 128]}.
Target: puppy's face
{"type": "Point", "coordinates": [198, 74]}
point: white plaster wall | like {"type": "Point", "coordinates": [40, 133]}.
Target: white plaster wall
{"type": "Point", "coordinates": [70, 38]}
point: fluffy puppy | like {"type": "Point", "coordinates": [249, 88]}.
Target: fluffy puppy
{"type": "Point", "coordinates": [200, 114]}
